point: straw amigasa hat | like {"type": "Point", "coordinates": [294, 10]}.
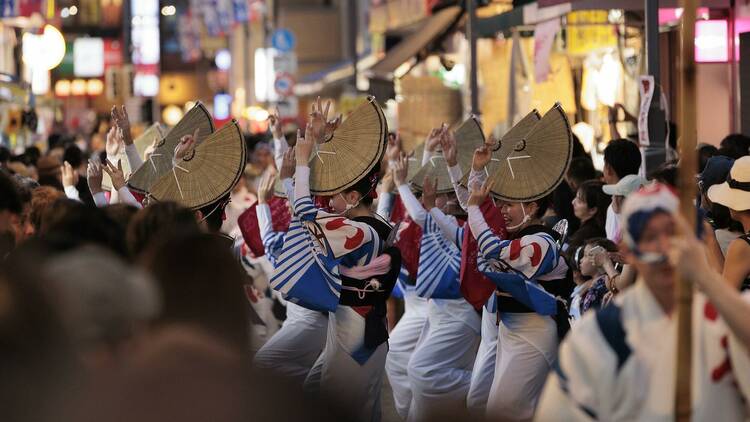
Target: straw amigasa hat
{"type": "Point", "coordinates": [531, 166]}
{"type": "Point", "coordinates": [142, 142]}
{"type": "Point", "coordinates": [207, 173]}
{"type": "Point", "coordinates": [352, 152]}
{"type": "Point", "coordinates": [160, 161]}
{"type": "Point", "coordinates": [468, 136]}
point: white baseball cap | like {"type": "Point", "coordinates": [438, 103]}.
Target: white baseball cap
{"type": "Point", "coordinates": [626, 185]}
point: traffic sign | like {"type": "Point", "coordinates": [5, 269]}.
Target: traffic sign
{"type": "Point", "coordinates": [283, 40]}
{"type": "Point", "coordinates": [284, 84]}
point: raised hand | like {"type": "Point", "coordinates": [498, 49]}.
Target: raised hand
{"type": "Point", "coordinates": [322, 128]}
{"type": "Point", "coordinates": [69, 175]}
{"type": "Point", "coordinates": [275, 122]}
{"type": "Point", "coordinates": [265, 187]}
{"type": "Point", "coordinates": [288, 164]}
{"type": "Point", "coordinates": [448, 144]}
{"type": "Point", "coordinates": [94, 176]}
{"type": "Point", "coordinates": [115, 173]}
{"type": "Point", "coordinates": [482, 156]}
{"type": "Point", "coordinates": [304, 146]}
{"type": "Point", "coordinates": [479, 194]}
{"type": "Point", "coordinates": [429, 193]}
{"type": "Point", "coordinates": [433, 139]}
{"type": "Point", "coordinates": [121, 120]}
{"type": "Point", "coordinates": [393, 149]}
{"type": "Point", "coordinates": [401, 169]}
{"type": "Point", "coordinates": [187, 144]}
{"type": "Point", "coordinates": [114, 142]}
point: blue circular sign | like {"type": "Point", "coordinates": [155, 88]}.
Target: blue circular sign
{"type": "Point", "coordinates": [283, 40]}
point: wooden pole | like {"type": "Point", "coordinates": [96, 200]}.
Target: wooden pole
{"type": "Point", "coordinates": [687, 187]}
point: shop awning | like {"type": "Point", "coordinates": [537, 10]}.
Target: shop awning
{"type": "Point", "coordinates": [433, 27]}
{"type": "Point", "coordinates": [542, 10]}
{"type": "Point", "coordinates": [315, 83]}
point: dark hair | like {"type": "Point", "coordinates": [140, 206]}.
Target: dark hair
{"type": "Point", "coordinates": [73, 155]}
{"type": "Point", "coordinates": [666, 174]}
{"type": "Point", "coordinates": [591, 191]}
{"type": "Point", "coordinates": [578, 150]}
{"type": "Point", "coordinates": [623, 156]}
{"type": "Point", "coordinates": [581, 169]}
{"type": "Point", "coordinates": [213, 214]}
{"type": "Point", "coordinates": [721, 218]}
{"type": "Point", "coordinates": [542, 205]}
{"type": "Point", "coordinates": [158, 221]}
{"type": "Point", "coordinates": [73, 223]}
{"type": "Point", "coordinates": [42, 199]}
{"type": "Point", "coordinates": [735, 145]}
{"type": "Point", "coordinates": [121, 214]}
{"type": "Point", "coordinates": [705, 152]}
{"type": "Point", "coordinates": [4, 155]}
{"type": "Point", "coordinates": [605, 243]}
{"type": "Point", "coordinates": [10, 198]}
{"type": "Point", "coordinates": [201, 284]}
{"type": "Point", "coordinates": [366, 186]}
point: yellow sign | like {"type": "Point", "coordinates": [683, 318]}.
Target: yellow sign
{"type": "Point", "coordinates": [589, 30]}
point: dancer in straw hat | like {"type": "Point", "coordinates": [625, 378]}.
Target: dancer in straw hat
{"type": "Point", "coordinates": [352, 270]}
{"type": "Point", "coordinates": [530, 274]}
{"type": "Point", "coordinates": [618, 363]}
{"type": "Point", "coordinates": [440, 367]}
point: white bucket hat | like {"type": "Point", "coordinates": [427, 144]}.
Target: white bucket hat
{"type": "Point", "coordinates": [735, 192]}
{"type": "Point", "coordinates": [626, 185]}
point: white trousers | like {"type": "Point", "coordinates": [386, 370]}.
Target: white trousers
{"type": "Point", "coordinates": [484, 366]}
{"type": "Point", "coordinates": [526, 350]}
{"type": "Point", "coordinates": [292, 351]}
{"type": "Point", "coordinates": [402, 342]}
{"type": "Point", "coordinates": [354, 386]}
{"type": "Point", "coordinates": [440, 368]}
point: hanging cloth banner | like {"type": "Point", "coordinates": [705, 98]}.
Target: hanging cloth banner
{"type": "Point", "coordinates": [544, 37]}
{"type": "Point", "coordinates": [646, 89]}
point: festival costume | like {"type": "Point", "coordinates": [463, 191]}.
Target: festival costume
{"type": "Point", "coordinates": [531, 277]}
{"type": "Point", "coordinates": [352, 269]}
{"type": "Point", "coordinates": [618, 365]}
{"type": "Point", "coordinates": [293, 350]}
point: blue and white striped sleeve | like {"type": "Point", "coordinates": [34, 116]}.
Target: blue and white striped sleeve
{"type": "Point", "coordinates": [272, 241]}
{"type": "Point", "coordinates": [303, 205]}
{"type": "Point", "coordinates": [449, 227]}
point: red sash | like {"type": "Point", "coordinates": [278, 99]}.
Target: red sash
{"type": "Point", "coordinates": [475, 287]}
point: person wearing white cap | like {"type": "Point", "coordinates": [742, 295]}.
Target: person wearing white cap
{"type": "Point", "coordinates": [618, 363]}
{"type": "Point", "coordinates": [621, 158]}
{"type": "Point", "coordinates": [735, 195]}
{"type": "Point", "coordinates": [624, 187]}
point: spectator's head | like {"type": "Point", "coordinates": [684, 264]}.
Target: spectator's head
{"type": "Point", "coordinates": [666, 174]}
{"type": "Point", "coordinates": [202, 285]}
{"type": "Point", "coordinates": [716, 172]}
{"type": "Point", "coordinates": [103, 302]}
{"type": "Point", "coordinates": [11, 204]}
{"type": "Point", "coordinates": [705, 152]}
{"type": "Point", "coordinates": [581, 169]}
{"type": "Point", "coordinates": [212, 216]}
{"type": "Point", "coordinates": [735, 146]}
{"type": "Point", "coordinates": [73, 156]}
{"type": "Point", "coordinates": [121, 214]}
{"type": "Point", "coordinates": [68, 224]}
{"type": "Point", "coordinates": [591, 247]}
{"type": "Point", "coordinates": [48, 168]}
{"type": "Point", "coordinates": [591, 202]}
{"type": "Point", "coordinates": [158, 222]}
{"type": "Point", "coordinates": [624, 187]}
{"type": "Point", "coordinates": [648, 229]}
{"type": "Point", "coordinates": [42, 199]}
{"type": "Point", "coordinates": [621, 158]}
{"type": "Point", "coordinates": [735, 192]}
{"type": "Point", "coordinates": [23, 228]}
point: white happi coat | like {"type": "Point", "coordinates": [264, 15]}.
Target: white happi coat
{"type": "Point", "coordinates": [625, 371]}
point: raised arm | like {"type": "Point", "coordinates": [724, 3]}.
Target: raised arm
{"type": "Point", "coordinates": [122, 125]}
{"type": "Point", "coordinates": [94, 178]}
{"type": "Point", "coordinates": [413, 207]}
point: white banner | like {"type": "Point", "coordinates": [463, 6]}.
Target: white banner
{"type": "Point", "coordinates": [646, 89]}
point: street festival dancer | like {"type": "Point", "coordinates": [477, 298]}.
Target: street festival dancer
{"type": "Point", "coordinates": [440, 368]}
{"type": "Point", "coordinates": [618, 363]}
{"type": "Point", "coordinates": [353, 268]}
{"type": "Point", "coordinates": [532, 277]}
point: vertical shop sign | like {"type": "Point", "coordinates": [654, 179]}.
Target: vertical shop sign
{"type": "Point", "coordinates": [544, 37]}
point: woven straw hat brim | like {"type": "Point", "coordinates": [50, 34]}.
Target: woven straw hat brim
{"type": "Point", "coordinates": [354, 150]}
{"type": "Point", "coordinates": [141, 143]}
{"type": "Point", "coordinates": [160, 161]}
{"type": "Point", "coordinates": [209, 173]}
{"type": "Point", "coordinates": [469, 136]}
{"type": "Point", "coordinates": [536, 164]}
{"type": "Point", "coordinates": [506, 144]}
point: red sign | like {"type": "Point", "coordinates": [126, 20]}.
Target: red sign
{"type": "Point", "coordinates": [112, 53]}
